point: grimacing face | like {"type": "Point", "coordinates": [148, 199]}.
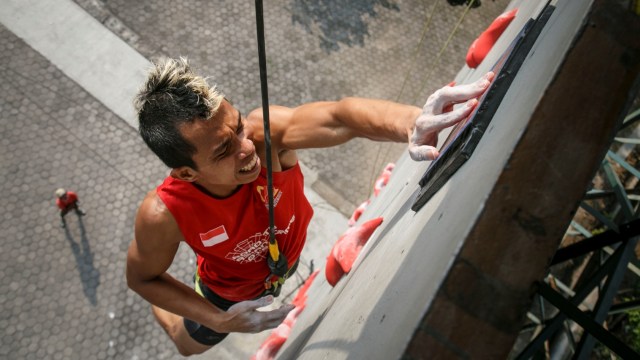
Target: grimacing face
{"type": "Point", "coordinates": [225, 156]}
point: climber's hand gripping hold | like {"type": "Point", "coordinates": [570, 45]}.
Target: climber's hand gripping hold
{"type": "Point", "coordinates": [437, 115]}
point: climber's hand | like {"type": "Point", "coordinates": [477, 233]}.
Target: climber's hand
{"type": "Point", "coordinates": [245, 317]}
{"type": "Point", "coordinates": [437, 114]}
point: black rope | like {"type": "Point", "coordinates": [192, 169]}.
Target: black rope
{"type": "Point", "coordinates": [265, 114]}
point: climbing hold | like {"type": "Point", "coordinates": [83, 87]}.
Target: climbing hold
{"type": "Point", "coordinates": [333, 271]}
{"type": "Point", "coordinates": [383, 179]}
{"type": "Point", "coordinates": [349, 245]}
{"type": "Point", "coordinates": [346, 249]}
{"type": "Point", "coordinates": [275, 340]}
{"type": "Point", "coordinates": [279, 335]}
{"type": "Point", "coordinates": [300, 300]}
{"type": "Point", "coordinates": [378, 185]}
{"type": "Point", "coordinates": [481, 46]}
{"type": "Point", "coordinates": [358, 212]}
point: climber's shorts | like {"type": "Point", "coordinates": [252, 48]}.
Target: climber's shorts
{"type": "Point", "coordinates": [200, 333]}
{"type": "Point", "coordinates": [203, 334]}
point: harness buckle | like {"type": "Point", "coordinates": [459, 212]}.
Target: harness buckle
{"type": "Point", "coordinates": [278, 268]}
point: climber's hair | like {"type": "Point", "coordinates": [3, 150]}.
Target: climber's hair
{"type": "Point", "coordinates": [173, 95]}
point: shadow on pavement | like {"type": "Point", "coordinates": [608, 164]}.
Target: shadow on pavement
{"type": "Point", "coordinates": [89, 275]}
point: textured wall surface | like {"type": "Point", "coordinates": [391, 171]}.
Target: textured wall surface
{"type": "Point", "coordinates": [453, 280]}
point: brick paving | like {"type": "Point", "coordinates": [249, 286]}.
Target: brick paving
{"type": "Point", "coordinates": [62, 292]}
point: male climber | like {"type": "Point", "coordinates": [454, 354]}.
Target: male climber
{"type": "Point", "coordinates": [215, 197]}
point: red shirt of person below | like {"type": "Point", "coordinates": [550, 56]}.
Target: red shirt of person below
{"type": "Point", "coordinates": [66, 200]}
{"type": "Point", "coordinates": [231, 236]}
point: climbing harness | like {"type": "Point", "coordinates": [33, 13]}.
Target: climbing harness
{"type": "Point", "coordinates": [276, 261]}
{"type": "Point", "coordinates": [275, 282]}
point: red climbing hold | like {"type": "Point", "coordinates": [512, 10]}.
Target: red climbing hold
{"type": "Point", "coordinates": [300, 300]}
{"type": "Point", "coordinates": [358, 212]}
{"type": "Point", "coordinates": [349, 245]}
{"type": "Point", "coordinates": [481, 46]}
{"type": "Point", "coordinates": [383, 179]}
{"type": "Point", "coordinates": [274, 342]}
{"type": "Point", "coordinates": [333, 271]}
{"type": "Point", "coordinates": [346, 249]}
{"type": "Point", "coordinates": [279, 335]}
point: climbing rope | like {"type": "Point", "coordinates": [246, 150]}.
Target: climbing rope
{"type": "Point", "coordinates": [276, 261]}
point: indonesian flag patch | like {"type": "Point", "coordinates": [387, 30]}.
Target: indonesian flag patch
{"type": "Point", "coordinates": [214, 236]}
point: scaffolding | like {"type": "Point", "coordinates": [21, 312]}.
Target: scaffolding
{"type": "Point", "coordinates": [608, 250]}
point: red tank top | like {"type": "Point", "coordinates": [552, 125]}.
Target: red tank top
{"type": "Point", "coordinates": [230, 236]}
{"type": "Point", "coordinates": [71, 199]}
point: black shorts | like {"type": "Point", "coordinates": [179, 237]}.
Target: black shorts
{"type": "Point", "coordinates": [203, 334]}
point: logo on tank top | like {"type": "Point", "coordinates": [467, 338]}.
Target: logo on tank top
{"type": "Point", "coordinates": [264, 195]}
{"type": "Point", "coordinates": [214, 236]}
{"type": "Point", "coordinates": [255, 247]}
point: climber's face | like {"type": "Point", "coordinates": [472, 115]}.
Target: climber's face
{"type": "Point", "coordinates": [225, 157]}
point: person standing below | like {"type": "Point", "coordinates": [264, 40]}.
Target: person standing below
{"type": "Point", "coordinates": [67, 201]}
{"type": "Point", "coordinates": [215, 197]}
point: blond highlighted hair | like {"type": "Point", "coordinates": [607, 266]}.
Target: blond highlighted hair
{"type": "Point", "coordinates": [172, 95]}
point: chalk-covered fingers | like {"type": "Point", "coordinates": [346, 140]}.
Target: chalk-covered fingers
{"type": "Point", "coordinates": [423, 152]}
{"type": "Point", "coordinates": [425, 134]}
{"type": "Point", "coordinates": [244, 316]}
{"type": "Point", "coordinates": [445, 97]}
{"type": "Point", "coordinates": [442, 121]}
{"type": "Point", "coordinates": [437, 115]}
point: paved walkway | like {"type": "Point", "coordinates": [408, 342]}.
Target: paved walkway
{"type": "Point", "coordinates": [66, 121]}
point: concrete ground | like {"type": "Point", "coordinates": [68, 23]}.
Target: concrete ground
{"type": "Point", "coordinates": [64, 123]}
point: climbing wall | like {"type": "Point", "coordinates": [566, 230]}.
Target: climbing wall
{"type": "Point", "coordinates": [455, 278]}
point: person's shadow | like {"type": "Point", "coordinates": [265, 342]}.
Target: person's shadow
{"type": "Point", "coordinates": [89, 275]}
